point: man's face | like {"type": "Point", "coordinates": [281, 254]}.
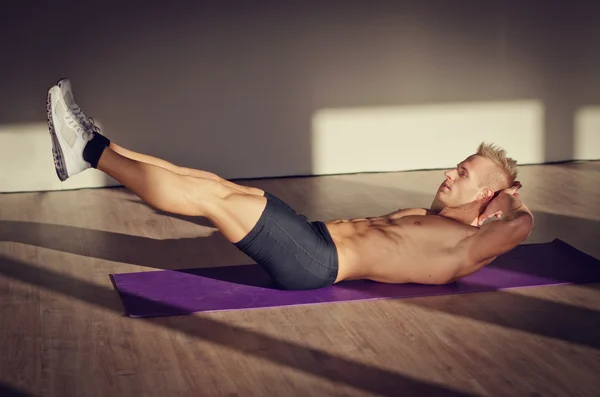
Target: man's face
{"type": "Point", "coordinates": [464, 184]}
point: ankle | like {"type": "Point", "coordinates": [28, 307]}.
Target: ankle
{"type": "Point", "coordinates": [94, 149]}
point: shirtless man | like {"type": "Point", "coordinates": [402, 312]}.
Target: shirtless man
{"type": "Point", "coordinates": [438, 245]}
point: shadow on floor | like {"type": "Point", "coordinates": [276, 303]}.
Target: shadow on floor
{"type": "Point", "coordinates": [520, 312]}
{"type": "Point", "coordinates": [306, 359]}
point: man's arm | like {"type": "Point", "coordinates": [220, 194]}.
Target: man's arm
{"type": "Point", "coordinates": [495, 238]}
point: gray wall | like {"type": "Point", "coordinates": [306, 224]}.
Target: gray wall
{"type": "Point", "coordinates": [233, 87]}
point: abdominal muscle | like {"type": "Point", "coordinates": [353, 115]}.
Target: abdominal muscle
{"type": "Point", "coordinates": [411, 249]}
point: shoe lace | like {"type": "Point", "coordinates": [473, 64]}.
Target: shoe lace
{"type": "Point", "coordinates": [83, 124]}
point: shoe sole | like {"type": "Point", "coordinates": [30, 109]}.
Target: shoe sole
{"type": "Point", "coordinates": [59, 159]}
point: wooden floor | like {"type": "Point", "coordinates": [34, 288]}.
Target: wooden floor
{"type": "Point", "coordinates": [63, 333]}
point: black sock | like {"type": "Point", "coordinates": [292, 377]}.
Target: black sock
{"type": "Point", "coordinates": [94, 149]}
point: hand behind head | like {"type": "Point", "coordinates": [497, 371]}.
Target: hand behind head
{"type": "Point", "coordinates": [498, 204]}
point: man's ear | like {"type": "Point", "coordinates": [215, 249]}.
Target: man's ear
{"type": "Point", "coordinates": [487, 195]}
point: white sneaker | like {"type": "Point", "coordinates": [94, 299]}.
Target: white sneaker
{"type": "Point", "coordinates": [67, 93]}
{"type": "Point", "coordinates": [69, 129]}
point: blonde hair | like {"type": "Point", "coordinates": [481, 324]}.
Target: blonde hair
{"type": "Point", "coordinates": [497, 155]}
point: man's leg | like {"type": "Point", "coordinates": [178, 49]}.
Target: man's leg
{"type": "Point", "coordinates": [78, 145]}
{"type": "Point", "coordinates": [232, 211]}
{"type": "Point", "coordinates": [298, 254]}
{"type": "Point", "coordinates": [144, 158]}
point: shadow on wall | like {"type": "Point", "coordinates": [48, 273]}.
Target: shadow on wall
{"type": "Point", "coordinates": [233, 88]}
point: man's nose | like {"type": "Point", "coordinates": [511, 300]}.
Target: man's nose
{"type": "Point", "coordinates": [448, 173]}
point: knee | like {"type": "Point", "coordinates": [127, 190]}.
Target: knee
{"type": "Point", "coordinates": [202, 193]}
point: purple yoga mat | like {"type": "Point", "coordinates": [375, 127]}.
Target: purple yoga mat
{"type": "Point", "coordinates": [177, 292]}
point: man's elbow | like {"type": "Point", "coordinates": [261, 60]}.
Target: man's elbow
{"type": "Point", "coordinates": [510, 234]}
{"type": "Point", "coordinates": [523, 226]}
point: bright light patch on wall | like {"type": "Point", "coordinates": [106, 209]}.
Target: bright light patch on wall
{"type": "Point", "coordinates": [586, 140]}
{"type": "Point", "coordinates": [398, 138]}
{"type": "Point", "coordinates": [26, 162]}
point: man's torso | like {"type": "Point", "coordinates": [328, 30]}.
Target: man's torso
{"type": "Point", "coordinates": [411, 245]}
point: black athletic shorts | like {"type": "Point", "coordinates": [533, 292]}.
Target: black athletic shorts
{"type": "Point", "coordinates": [296, 253]}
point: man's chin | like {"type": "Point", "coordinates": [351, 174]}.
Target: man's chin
{"type": "Point", "coordinates": [441, 195]}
